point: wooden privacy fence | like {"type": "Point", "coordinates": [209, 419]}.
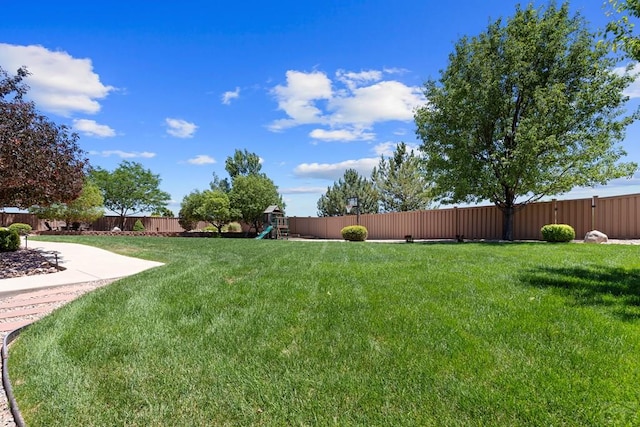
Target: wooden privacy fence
{"type": "Point", "coordinates": [618, 217]}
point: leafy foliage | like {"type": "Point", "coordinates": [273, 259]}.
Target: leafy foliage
{"type": "Point", "coordinates": [220, 184]}
{"type": "Point", "coordinates": [251, 195]}
{"type": "Point", "coordinates": [242, 163]}
{"type": "Point", "coordinates": [209, 206]}
{"type": "Point", "coordinates": [188, 216]}
{"type": "Point", "coordinates": [216, 209]}
{"type": "Point", "coordinates": [354, 233]}
{"type": "Point", "coordinates": [9, 240]}
{"type": "Point", "coordinates": [622, 28]}
{"type": "Point", "coordinates": [163, 212]}
{"type": "Point", "coordinates": [40, 162]}
{"type": "Point", "coordinates": [526, 109]}
{"type": "Point", "coordinates": [20, 228]}
{"type": "Point", "coordinates": [88, 207]}
{"type": "Point", "coordinates": [130, 189]}
{"type": "Point", "coordinates": [558, 233]}
{"type": "Point", "coordinates": [352, 184]}
{"type": "Point", "coordinates": [400, 181]}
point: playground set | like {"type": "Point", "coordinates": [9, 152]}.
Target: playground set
{"type": "Point", "coordinates": [277, 225]}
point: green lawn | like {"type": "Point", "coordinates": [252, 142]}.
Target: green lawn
{"type": "Point", "coordinates": [244, 332]}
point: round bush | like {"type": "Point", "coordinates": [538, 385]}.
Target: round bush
{"type": "Point", "coordinates": [558, 233]}
{"type": "Point", "coordinates": [20, 228]}
{"type": "Point", "coordinates": [234, 227]}
{"type": "Point", "coordinates": [9, 240]}
{"type": "Point", "coordinates": [354, 233]}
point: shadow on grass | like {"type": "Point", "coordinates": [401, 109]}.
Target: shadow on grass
{"type": "Point", "coordinates": [611, 287]}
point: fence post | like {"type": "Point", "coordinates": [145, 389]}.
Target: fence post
{"type": "Point", "coordinates": [593, 212]}
{"type": "Point", "coordinates": [555, 210]}
{"type": "Point", "coordinates": [457, 226]}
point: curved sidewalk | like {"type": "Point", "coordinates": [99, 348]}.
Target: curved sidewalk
{"type": "Point", "coordinates": [82, 264]}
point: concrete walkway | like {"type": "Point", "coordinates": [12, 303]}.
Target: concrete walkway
{"type": "Point", "coordinates": [82, 264]}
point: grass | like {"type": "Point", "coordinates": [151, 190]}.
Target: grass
{"type": "Point", "coordinates": [245, 332]}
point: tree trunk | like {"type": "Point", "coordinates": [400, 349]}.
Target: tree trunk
{"type": "Point", "coordinates": [507, 222]}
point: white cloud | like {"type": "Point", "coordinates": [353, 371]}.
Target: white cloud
{"type": "Point", "coordinates": [633, 91]}
{"type": "Point", "coordinates": [91, 128]}
{"type": "Point", "coordinates": [202, 159]}
{"type": "Point", "coordinates": [352, 79]}
{"type": "Point", "coordinates": [123, 154]}
{"type": "Point", "coordinates": [303, 190]}
{"type": "Point", "coordinates": [229, 95]}
{"type": "Point", "coordinates": [180, 128]}
{"type": "Point", "coordinates": [345, 135]}
{"type": "Point", "coordinates": [381, 102]}
{"type": "Point", "coordinates": [359, 101]}
{"type": "Point", "coordinates": [297, 99]}
{"type": "Point", "coordinates": [59, 83]}
{"type": "Point", "coordinates": [334, 171]}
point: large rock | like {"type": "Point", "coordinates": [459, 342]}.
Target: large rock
{"type": "Point", "coordinates": [595, 236]}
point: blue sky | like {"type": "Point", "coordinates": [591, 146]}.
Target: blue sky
{"type": "Point", "coordinates": [313, 87]}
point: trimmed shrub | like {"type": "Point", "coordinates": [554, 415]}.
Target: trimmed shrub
{"type": "Point", "coordinates": [20, 228]}
{"type": "Point", "coordinates": [210, 229]}
{"type": "Point", "coordinates": [558, 233]}
{"type": "Point", "coordinates": [354, 233]}
{"type": "Point", "coordinates": [9, 240]}
{"type": "Point", "coordinates": [137, 226]}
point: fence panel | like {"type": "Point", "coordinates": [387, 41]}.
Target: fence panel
{"type": "Point", "coordinates": [531, 218]}
{"type": "Point", "coordinates": [576, 213]}
{"type": "Point", "coordinates": [7, 219]}
{"type": "Point", "coordinates": [618, 217]}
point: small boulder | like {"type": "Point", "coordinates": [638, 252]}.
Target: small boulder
{"type": "Point", "coordinates": [595, 236]}
{"type": "Point", "coordinates": [116, 229]}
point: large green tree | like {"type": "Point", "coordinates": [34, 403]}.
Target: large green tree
{"type": "Point", "coordinates": [188, 215]}
{"type": "Point", "coordinates": [251, 195]}
{"type": "Point", "coordinates": [400, 181]}
{"type": "Point", "coordinates": [87, 207]}
{"type": "Point", "coordinates": [529, 108]}
{"type": "Point", "coordinates": [130, 189]}
{"type": "Point", "coordinates": [40, 162]}
{"type": "Point", "coordinates": [352, 184]}
{"type": "Point", "coordinates": [216, 209]}
{"type": "Point", "coordinates": [212, 206]}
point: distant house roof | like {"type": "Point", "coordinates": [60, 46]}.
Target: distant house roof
{"type": "Point", "coordinates": [272, 208]}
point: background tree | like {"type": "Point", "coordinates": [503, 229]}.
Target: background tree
{"type": "Point", "coordinates": [220, 184]}
{"type": "Point", "coordinates": [163, 212]}
{"type": "Point", "coordinates": [400, 181]}
{"type": "Point", "coordinates": [130, 189]}
{"type": "Point", "coordinates": [242, 163]}
{"type": "Point", "coordinates": [40, 162]}
{"type": "Point", "coordinates": [251, 195]}
{"type": "Point", "coordinates": [623, 27]}
{"type": "Point", "coordinates": [188, 216]}
{"type": "Point", "coordinates": [352, 184]}
{"type": "Point", "coordinates": [524, 110]}
{"type": "Point", "coordinates": [87, 207]}
{"type": "Point", "coordinates": [216, 209]}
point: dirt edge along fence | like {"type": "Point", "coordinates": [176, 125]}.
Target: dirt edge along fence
{"type": "Point", "coordinates": [618, 217]}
